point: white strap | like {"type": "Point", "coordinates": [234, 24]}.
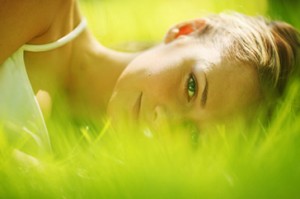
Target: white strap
{"type": "Point", "coordinates": [58, 43]}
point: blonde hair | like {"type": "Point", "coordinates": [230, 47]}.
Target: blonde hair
{"type": "Point", "coordinates": [271, 46]}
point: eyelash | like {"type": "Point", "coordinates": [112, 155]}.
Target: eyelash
{"type": "Point", "coordinates": [191, 87]}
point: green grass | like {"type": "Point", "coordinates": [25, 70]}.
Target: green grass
{"type": "Point", "coordinates": [93, 160]}
{"type": "Point", "coordinates": [241, 161]}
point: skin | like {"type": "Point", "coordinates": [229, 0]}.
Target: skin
{"type": "Point", "coordinates": [152, 87]}
{"type": "Point", "coordinates": [155, 85]}
{"type": "Point", "coordinates": [83, 70]}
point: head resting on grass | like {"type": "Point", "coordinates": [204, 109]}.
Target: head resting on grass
{"type": "Point", "coordinates": [207, 69]}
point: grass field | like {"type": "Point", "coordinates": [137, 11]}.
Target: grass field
{"type": "Point", "coordinates": [92, 160]}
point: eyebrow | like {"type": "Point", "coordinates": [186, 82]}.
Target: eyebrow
{"type": "Point", "coordinates": [204, 93]}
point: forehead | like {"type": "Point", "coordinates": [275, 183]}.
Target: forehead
{"type": "Point", "coordinates": [233, 86]}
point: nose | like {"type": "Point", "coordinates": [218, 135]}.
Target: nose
{"type": "Point", "coordinates": [163, 115]}
{"type": "Point", "coordinates": [162, 93]}
{"type": "Point", "coordinates": [160, 117]}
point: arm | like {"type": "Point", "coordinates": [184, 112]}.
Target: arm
{"type": "Point", "coordinates": [23, 20]}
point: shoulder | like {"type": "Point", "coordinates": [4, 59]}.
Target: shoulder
{"type": "Point", "coordinates": [22, 20]}
{"type": "Point", "coordinates": [29, 11]}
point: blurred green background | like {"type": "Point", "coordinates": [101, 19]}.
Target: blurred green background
{"type": "Point", "coordinates": [96, 161]}
{"type": "Point", "coordinates": [117, 22]}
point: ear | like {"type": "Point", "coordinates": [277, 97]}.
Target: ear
{"type": "Point", "coordinates": [185, 28]}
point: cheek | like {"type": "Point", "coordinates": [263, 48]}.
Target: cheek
{"type": "Point", "coordinates": [158, 75]}
{"type": "Point", "coordinates": [160, 86]}
{"type": "Point", "coordinates": [160, 78]}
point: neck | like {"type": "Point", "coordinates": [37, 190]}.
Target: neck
{"type": "Point", "coordinates": [95, 70]}
{"type": "Point", "coordinates": [83, 67]}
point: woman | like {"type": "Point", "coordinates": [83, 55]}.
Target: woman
{"type": "Point", "coordinates": [206, 69]}
{"type": "Point", "coordinates": [49, 42]}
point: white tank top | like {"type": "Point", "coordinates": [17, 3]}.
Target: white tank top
{"type": "Point", "coordinates": [20, 116]}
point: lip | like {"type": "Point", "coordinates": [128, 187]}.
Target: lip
{"type": "Point", "coordinates": [137, 106]}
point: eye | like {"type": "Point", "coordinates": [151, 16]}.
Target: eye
{"type": "Point", "coordinates": [191, 87]}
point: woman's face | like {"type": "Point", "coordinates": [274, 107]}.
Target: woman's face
{"type": "Point", "coordinates": [182, 81]}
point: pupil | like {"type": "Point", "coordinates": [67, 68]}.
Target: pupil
{"type": "Point", "coordinates": [191, 84]}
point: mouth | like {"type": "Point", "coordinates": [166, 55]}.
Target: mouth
{"type": "Point", "coordinates": [137, 106]}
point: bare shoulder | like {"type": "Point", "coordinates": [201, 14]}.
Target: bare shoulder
{"type": "Point", "coordinates": [22, 20]}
